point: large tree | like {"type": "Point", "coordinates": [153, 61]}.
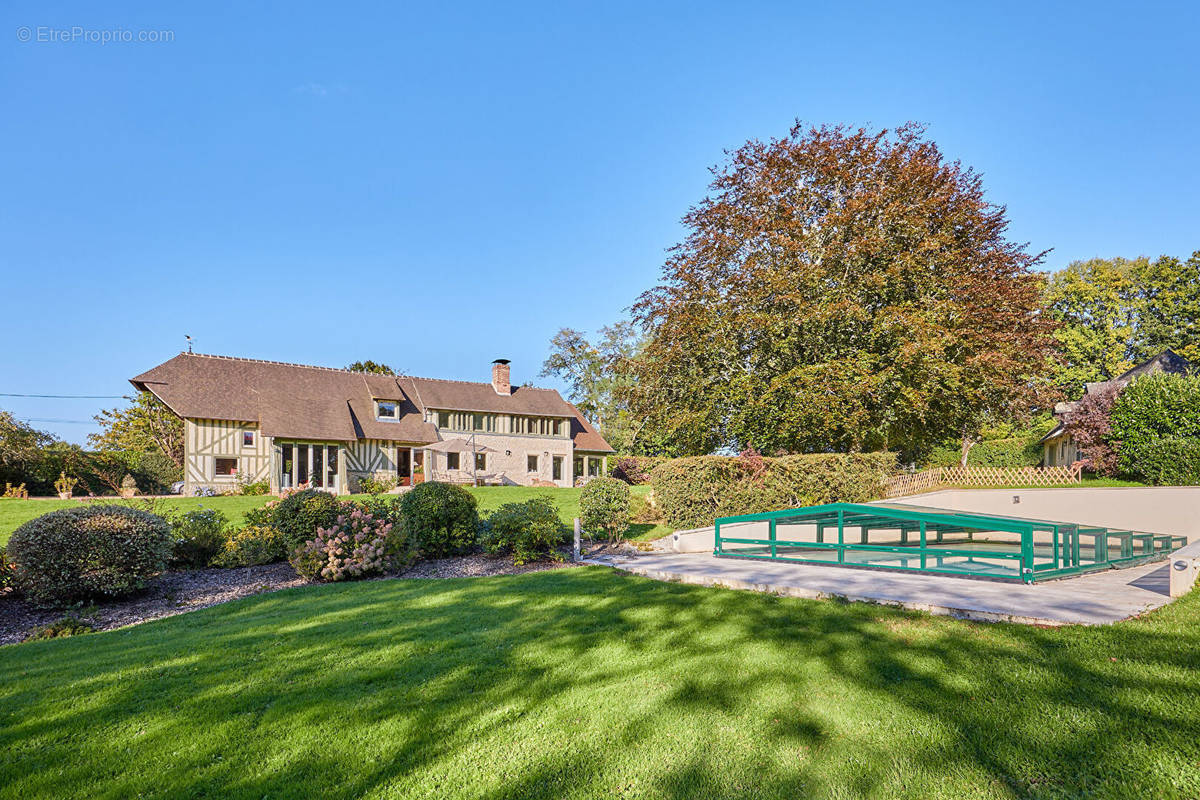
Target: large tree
{"type": "Point", "coordinates": [594, 375]}
{"type": "Point", "coordinates": [146, 425]}
{"type": "Point", "coordinates": [1096, 304]}
{"type": "Point", "coordinates": [839, 290]}
{"type": "Point", "coordinates": [1169, 294]}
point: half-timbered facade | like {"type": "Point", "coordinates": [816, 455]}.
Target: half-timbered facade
{"type": "Point", "coordinates": [294, 426]}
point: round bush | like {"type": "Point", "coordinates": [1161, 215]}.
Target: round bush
{"type": "Point", "coordinates": [89, 552]}
{"type": "Point", "coordinates": [441, 519]}
{"type": "Point", "coordinates": [299, 516]}
{"type": "Point", "coordinates": [252, 545]}
{"type": "Point", "coordinates": [199, 536]}
{"type": "Point", "coordinates": [529, 530]}
{"type": "Point", "coordinates": [604, 506]}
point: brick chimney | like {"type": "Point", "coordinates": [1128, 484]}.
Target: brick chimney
{"type": "Point", "coordinates": [500, 376]}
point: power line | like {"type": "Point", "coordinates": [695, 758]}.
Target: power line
{"type": "Point", "coordinates": [61, 421]}
{"type": "Point", "coordinates": [71, 396]}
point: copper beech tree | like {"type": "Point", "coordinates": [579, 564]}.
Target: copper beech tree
{"type": "Point", "coordinates": [839, 290]}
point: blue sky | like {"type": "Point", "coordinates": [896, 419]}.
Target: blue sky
{"type": "Point", "coordinates": [435, 188]}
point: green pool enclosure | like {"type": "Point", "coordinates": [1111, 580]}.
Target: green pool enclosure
{"type": "Point", "coordinates": [935, 540]}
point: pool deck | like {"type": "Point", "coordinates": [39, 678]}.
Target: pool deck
{"type": "Point", "coordinates": [1094, 599]}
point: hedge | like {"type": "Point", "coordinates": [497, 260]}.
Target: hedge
{"type": "Point", "coordinates": [1016, 451]}
{"type": "Point", "coordinates": [692, 492]}
{"type": "Point", "coordinates": [1150, 410]}
{"type": "Point", "coordinates": [1172, 461]}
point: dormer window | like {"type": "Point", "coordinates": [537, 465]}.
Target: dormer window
{"type": "Point", "coordinates": [386, 410]}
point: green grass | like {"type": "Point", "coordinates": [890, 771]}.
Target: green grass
{"type": "Point", "coordinates": [588, 683]}
{"type": "Point", "coordinates": [15, 512]}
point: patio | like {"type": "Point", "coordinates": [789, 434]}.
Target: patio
{"type": "Point", "coordinates": [1093, 599]}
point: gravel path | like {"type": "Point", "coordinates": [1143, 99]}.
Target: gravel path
{"type": "Point", "coordinates": [187, 590]}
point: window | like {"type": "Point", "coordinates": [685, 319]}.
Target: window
{"type": "Point", "coordinates": [481, 461]}
{"type": "Point", "coordinates": [386, 409]}
{"type": "Point", "coordinates": [451, 460]}
{"type": "Point", "coordinates": [226, 467]}
{"type": "Point", "coordinates": [464, 421]}
{"type": "Point", "coordinates": [531, 463]}
{"type": "Point", "coordinates": [557, 468]}
{"type": "Point", "coordinates": [247, 438]}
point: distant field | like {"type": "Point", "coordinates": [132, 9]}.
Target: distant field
{"type": "Point", "coordinates": [13, 513]}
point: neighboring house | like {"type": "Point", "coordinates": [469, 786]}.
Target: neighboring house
{"type": "Point", "coordinates": [1058, 446]}
{"type": "Point", "coordinates": [295, 425]}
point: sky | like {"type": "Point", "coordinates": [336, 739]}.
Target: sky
{"type": "Point", "coordinates": [436, 187]}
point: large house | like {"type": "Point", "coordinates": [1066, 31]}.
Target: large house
{"type": "Point", "coordinates": [295, 425]}
{"type": "Point", "coordinates": [1059, 447]}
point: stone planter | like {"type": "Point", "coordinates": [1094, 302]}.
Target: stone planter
{"type": "Point", "coordinates": [128, 493]}
{"type": "Point", "coordinates": [64, 495]}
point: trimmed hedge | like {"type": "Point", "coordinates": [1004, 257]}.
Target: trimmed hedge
{"type": "Point", "coordinates": [692, 492]}
{"type": "Point", "coordinates": [88, 552]}
{"type": "Point", "coordinates": [1149, 413]}
{"type": "Point", "coordinates": [1016, 451]}
{"type": "Point", "coordinates": [1173, 461]}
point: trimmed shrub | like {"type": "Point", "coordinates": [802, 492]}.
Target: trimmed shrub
{"type": "Point", "coordinates": [299, 516]}
{"type": "Point", "coordinates": [199, 536]}
{"type": "Point", "coordinates": [692, 492]}
{"type": "Point", "coordinates": [373, 485]}
{"type": "Point", "coordinates": [1173, 461]}
{"type": "Point", "coordinates": [604, 506]}
{"type": "Point", "coordinates": [358, 545]}
{"type": "Point", "coordinates": [91, 551]}
{"type": "Point", "coordinates": [251, 546]}
{"type": "Point", "coordinates": [441, 519]}
{"type": "Point", "coordinates": [1150, 409]}
{"type": "Point", "coordinates": [530, 531]}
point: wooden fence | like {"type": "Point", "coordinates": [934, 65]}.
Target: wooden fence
{"type": "Point", "coordinates": [981, 477]}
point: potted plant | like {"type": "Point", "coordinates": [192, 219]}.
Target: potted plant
{"type": "Point", "coordinates": [128, 486]}
{"type": "Point", "coordinates": [64, 485]}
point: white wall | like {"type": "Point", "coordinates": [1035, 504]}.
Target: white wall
{"type": "Point", "coordinates": [1156, 509]}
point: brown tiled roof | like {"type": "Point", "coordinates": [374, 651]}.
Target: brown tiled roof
{"type": "Point", "coordinates": [287, 400]}
{"type": "Point", "coordinates": [296, 401]}
{"type": "Point", "coordinates": [585, 436]}
{"type": "Point", "coordinates": [467, 396]}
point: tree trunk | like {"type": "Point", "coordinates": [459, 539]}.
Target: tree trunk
{"type": "Point", "coordinates": [968, 442]}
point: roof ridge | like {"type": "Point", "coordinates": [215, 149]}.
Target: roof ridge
{"type": "Point", "coordinates": [287, 364]}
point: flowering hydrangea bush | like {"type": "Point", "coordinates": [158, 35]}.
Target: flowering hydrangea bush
{"type": "Point", "coordinates": [355, 546]}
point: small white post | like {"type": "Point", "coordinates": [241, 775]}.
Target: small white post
{"type": "Point", "coordinates": [576, 553]}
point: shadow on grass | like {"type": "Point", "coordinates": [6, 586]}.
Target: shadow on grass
{"type": "Point", "coordinates": [589, 682]}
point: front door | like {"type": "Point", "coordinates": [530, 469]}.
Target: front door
{"type": "Point", "coordinates": [418, 466]}
{"type": "Point", "coordinates": [404, 466]}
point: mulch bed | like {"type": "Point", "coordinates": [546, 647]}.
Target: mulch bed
{"type": "Point", "coordinates": [187, 590]}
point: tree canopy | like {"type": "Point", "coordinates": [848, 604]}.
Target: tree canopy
{"type": "Point", "coordinates": [595, 377]}
{"type": "Point", "coordinates": [146, 425]}
{"type": "Point", "coordinates": [371, 366]}
{"type": "Point", "coordinates": [1116, 312]}
{"type": "Point", "coordinates": [839, 290]}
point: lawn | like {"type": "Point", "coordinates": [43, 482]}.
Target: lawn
{"type": "Point", "coordinates": [15, 512]}
{"type": "Point", "coordinates": [589, 683]}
